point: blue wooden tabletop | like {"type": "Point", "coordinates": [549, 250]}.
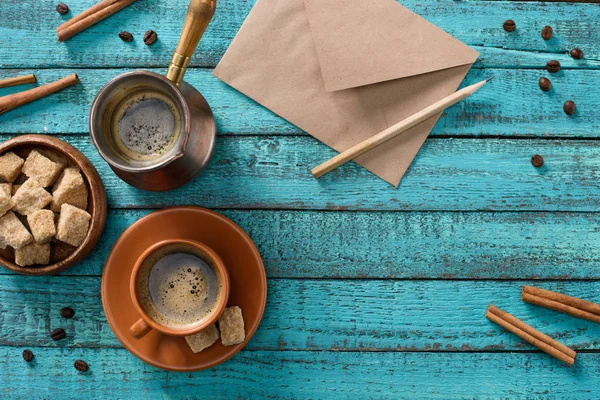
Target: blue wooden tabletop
{"type": "Point", "coordinates": [374, 292]}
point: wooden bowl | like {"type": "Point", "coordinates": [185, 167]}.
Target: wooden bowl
{"type": "Point", "coordinates": [62, 256]}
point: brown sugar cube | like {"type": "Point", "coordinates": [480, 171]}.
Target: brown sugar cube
{"type": "Point", "coordinates": [34, 253]}
{"type": "Point", "coordinates": [231, 325]}
{"type": "Point", "coordinates": [10, 166]}
{"type": "Point", "coordinates": [43, 169]}
{"type": "Point", "coordinates": [12, 231]}
{"type": "Point", "coordinates": [14, 189]}
{"type": "Point", "coordinates": [30, 197]}
{"type": "Point", "coordinates": [57, 158]}
{"type": "Point", "coordinates": [73, 225]}
{"type": "Point", "coordinates": [204, 339]}
{"type": "Point", "coordinates": [5, 203]}
{"type": "Point", "coordinates": [41, 224]}
{"type": "Point", "coordinates": [69, 189]}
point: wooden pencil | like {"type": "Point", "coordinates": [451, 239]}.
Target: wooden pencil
{"type": "Point", "coordinates": [396, 129]}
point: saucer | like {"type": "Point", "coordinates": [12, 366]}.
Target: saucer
{"type": "Point", "coordinates": [246, 272]}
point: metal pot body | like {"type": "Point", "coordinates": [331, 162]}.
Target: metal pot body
{"type": "Point", "coordinates": [189, 154]}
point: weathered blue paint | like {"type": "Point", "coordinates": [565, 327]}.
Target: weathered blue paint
{"type": "Point", "coordinates": [252, 172]}
{"type": "Point", "coordinates": [470, 208]}
{"type": "Point", "coordinates": [510, 105]}
{"type": "Point", "coordinates": [413, 245]}
{"type": "Point", "coordinates": [319, 315]}
{"type": "Point", "coordinates": [116, 374]}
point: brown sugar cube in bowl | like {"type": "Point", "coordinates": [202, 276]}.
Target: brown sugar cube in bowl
{"type": "Point", "coordinates": [30, 197]}
{"type": "Point", "coordinates": [69, 189]}
{"type": "Point", "coordinates": [13, 232]}
{"type": "Point", "coordinates": [231, 325]}
{"type": "Point", "coordinates": [203, 339]}
{"type": "Point", "coordinates": [10, 166]}
{"type": "Point", "coordinates": [41, 224]}
{"type": "Point", "coordinates": [32, 254]}
{"type": "Point", "coordinates": [43, 169]}
{"type": "Point", "coordinates": [73, 225]}
{"type": "Point", "coordinates": [5, 194]}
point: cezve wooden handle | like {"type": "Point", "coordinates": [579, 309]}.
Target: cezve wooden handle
{"type": "Point", "coordinates": [198, 16]}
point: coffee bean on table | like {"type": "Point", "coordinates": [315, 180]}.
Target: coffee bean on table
{"type": "Point", "coordinates": [27, 355]}
{"type": "Point", "coordinates": [67, 312]}
{"type": "Point", "coordinates": [547, 32]}
{"type": "Point", "coordinates": [126, 36]}
{"type": "Point", "coordinates": [509, 25]}
{"type": "Point", "coordinates": [150, 37]}
{"type": "Point", "coordinates": [553, 66]}
{"type": "Point", "coordinates": [545, 84]}
{"type": "Point", "coordinates": [81, 366]}
{"type": "Point", "coordinates": [58, 334]}
{"type": "Point", "coordinates": [537, 160]}
{"type": "Point", "coordinates": [577, 53]}
{"type": "Point", "coordinates": [62, 8]}
{"type": "Point", "coordinates": [569, 107]}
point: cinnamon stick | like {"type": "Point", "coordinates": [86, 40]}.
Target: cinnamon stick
{"type": "Point", "coordinates": [531, 335]}
{"type": "Point", "coordinates": [559, 306]}
{"type": "Point", "coordinates": [17, 80]}
{"type": "Point", "coordinates": [563, 298]}
{"type": "Point", "coordinates": [92, 10]}
{"type": "Point", "coordinates": [103, 10]}
{"type": "Point", "coordinates": [15, 100]}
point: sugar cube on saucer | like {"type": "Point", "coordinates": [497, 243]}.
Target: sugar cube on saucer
{"type": "Point", "coordinates": [202, 340]}
{"type": "Point", "coordinates": [231, 325]}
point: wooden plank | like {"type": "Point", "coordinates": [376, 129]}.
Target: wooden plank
{"type": "Point", "coordinates": [478, 24]}
{"type": "Point", "coordinates": [338, 315]}
{"type": "Point", "coordinates": [511, 105]}
{"type": "Point", "coordinates": [116, 374]}
{"type": "Point", "coordinates": [448, 174]}
{"type": "Point", "coordinates": [415, 245]}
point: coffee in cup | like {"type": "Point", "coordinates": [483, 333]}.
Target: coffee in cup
{"type": "Point", "coordinates": [180, 287]}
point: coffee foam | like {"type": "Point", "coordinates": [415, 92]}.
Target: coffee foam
{"type": "Point", "coordinates": [145, 126]}
{"type": "Point", "coordinates": [177, 287]}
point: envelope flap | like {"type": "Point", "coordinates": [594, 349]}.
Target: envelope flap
{"type": "Point", "coordinates": [362, 42]}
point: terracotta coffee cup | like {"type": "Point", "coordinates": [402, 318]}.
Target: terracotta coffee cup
{"type": "Point", "coordinates": [146, 323]}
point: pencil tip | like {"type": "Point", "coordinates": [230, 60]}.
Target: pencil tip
{"type": "Point", "coordinates": [489, 79]}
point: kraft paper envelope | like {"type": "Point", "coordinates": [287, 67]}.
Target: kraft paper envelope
{"type": "Point", "coordinates": [345, 70]}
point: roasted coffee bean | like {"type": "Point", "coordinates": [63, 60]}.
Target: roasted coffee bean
{"type": "Point", "coordinates": [27, 355]}
{"type": "Point", "coordinates": [569, 107]}
{"type": "Point", "coordinates": [150, 37]}
{"type": "Point", "coordinates": [58, 333]}
{"type": "Point", "coordinates": [547, 32]}
{"type": "Point", "coordinates": [577, 53]}
{"type": "Point", "coordinates": [537, 160]}
{"type": "Point", "coordinates": [509, 25]}
{"type": "Point", "coordinates": [126, 36]}
{"type": "Point", "coordinates": [62, 8]}
{"type": "Point", "coordinates": [545, 84]}
{"type": "Point", "coordinates": [553, 66]}
{"type": "Point", "coordinates": [67, 312]}
{"type": "Point", "coordinates": [81, 366]}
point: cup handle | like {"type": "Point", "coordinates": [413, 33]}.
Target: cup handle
{"type": "Point", "coordinates": [140, 329]}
